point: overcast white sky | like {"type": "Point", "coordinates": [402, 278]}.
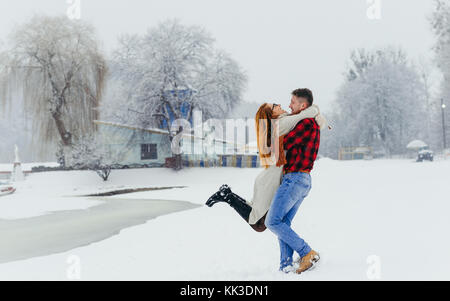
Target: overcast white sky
{"type": "Point", "coordinates": [282, 45]}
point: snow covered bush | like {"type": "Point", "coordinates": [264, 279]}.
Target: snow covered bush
{"type": "Point", "coordinates": [90, 153]}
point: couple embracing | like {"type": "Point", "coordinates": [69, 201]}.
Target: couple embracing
{"type": "Point", "coordinates": [287, 146]}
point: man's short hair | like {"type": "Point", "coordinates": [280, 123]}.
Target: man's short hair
{"type": "Point", "coordinates": [305, 93]}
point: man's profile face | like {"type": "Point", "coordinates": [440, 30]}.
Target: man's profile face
{"type": "Point", "coordinates": [298, 104]}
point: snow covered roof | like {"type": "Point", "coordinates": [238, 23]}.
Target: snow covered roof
{"type": "Point", "coordinates": [426, 151]}
{"type": "Point", "coordinates": [155, 131]}
{"type": "Point", "coordinates": [362, 149]}
{"type": "Point", "coordinates": [415, 144]}
{"type": "Point", "coordinates": [131, 127]}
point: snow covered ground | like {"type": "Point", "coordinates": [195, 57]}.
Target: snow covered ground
{"type": "Point", "coordinates": [387, 216]}
{"type": "Point", "coordinates": [27, 166]}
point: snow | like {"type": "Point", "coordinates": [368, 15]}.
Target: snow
{"type": "Point", "coordinates": [425, 151]}
{"type": "Point", "coordinates": [393, 210]}
{"type": "Point", "coordinates": [133, 127]}
{"type": "Point", "coordinates": [416, 144]}
{"type": "Point", "coordinates": [8, 167]}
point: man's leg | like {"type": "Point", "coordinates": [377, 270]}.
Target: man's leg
{"type": "Point", "coordinates": [286, 252]}
{"type": "Point", "coordinates": [289, 252]}
{"type": "Point", "coordinates": [290, 194]}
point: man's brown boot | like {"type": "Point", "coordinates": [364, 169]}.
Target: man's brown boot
{"type": "Point", "coordinates": [308, 261]}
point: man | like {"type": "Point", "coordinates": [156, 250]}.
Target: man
{"type": "Point", "coordinates": [301, 145]}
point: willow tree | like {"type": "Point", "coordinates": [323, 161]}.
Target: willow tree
{"type": "Point", "coordinates": [55, 65]}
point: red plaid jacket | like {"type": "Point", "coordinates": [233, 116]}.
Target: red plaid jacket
{"type": "Point", "coordinates": [301, 145]}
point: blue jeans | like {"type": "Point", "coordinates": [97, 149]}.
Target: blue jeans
{"type": "Point", "coordinates": [293, 189]}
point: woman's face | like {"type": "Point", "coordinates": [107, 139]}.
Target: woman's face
{"type": "Point", "coordinates": [276, 109]}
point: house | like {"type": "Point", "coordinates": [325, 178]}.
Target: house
{"type": "Point", "coordinates": [355, 153]}
{"type": "Point", "coordinates": [151, 147]}
{"type": "Point", "coordinates": [148, 146]}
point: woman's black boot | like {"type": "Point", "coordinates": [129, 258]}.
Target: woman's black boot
{"type": "Point", "coordinates": [236, 202]}
{"type": "Point", "coordinates": [219, 196]}
{"type": "Point", "coordinates": [240, 205]}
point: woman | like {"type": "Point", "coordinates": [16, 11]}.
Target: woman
{"type": "Point", "coordinates": [272, 157]}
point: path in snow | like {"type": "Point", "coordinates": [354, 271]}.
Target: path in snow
{"type": "Point", "coordinates": [65, 230]}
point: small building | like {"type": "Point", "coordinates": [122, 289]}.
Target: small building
{"type": "Point", "coordinates": [151, 147]}
{"type": "Point", "coordinates": [148, 146]}
{"type": "Point", "coordinates": [355, 153]}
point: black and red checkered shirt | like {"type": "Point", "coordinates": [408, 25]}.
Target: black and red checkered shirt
{"type": "Point", "coordinates": [301, 146]}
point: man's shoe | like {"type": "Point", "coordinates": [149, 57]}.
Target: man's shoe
{"type": "Point", "coordinates": [308, 261]}
{"type": "Point", "coordinates": [288, 269]}
{"type": "Point", "coordinates": [219, 196]}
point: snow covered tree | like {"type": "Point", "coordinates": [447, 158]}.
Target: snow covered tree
{"type": "Point", "coordinates": [440, 22]}
{"type": "Point", "coordinates": [382, 104]}
{"type": "Point", "coordinates": [56, 64]}
{"type": "Point", "coordinates": [168, 73]}
{"type": "Point", "coordinates": [359, 61]}
{"type": "Point", "coordinates": [89, 152]}
{"type": "Point", "coordinates": [362, 59]}
{"type": "Point", "coordinates": [433, 129]}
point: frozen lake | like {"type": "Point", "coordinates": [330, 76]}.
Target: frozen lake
{"type": "Point", "coordinates": [61, 231]}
